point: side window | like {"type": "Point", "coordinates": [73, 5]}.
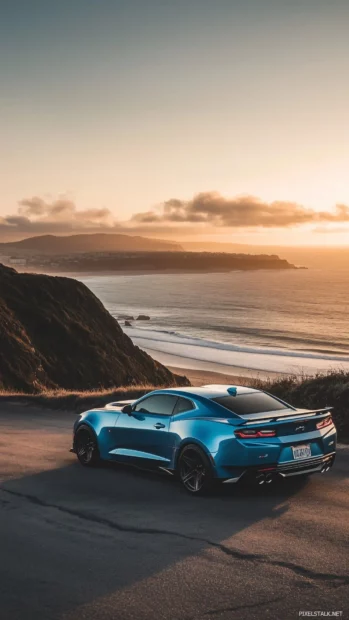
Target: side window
{"type": "Point", "coordinates": [183, 404]}
{"type": "Point", "coordinates": [159, 403]}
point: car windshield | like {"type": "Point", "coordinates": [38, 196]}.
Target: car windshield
{"type": "Point", "coordinates": [254, 402]}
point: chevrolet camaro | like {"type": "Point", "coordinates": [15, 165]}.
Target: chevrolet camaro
{"type": "Point", "coordinates": [214, 433]}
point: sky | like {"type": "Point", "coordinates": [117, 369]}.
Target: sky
{"type": "Point", "coordinates": [223, 119]}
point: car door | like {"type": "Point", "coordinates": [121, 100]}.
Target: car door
{"type": "Point", "coordinates": [144, 433]}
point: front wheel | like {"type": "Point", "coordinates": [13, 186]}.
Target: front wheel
{"type": "Point", "coordinates": [194, 470]}
{"type": "Point", "coordinates": [86, 447]}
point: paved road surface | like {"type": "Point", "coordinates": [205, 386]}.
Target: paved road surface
{"type": "Point", "coordinates": [117, 543]}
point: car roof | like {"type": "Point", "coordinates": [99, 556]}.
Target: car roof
{"type": "Point", "coordinates": [210, 391]}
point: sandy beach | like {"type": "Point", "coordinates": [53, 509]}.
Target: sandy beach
{"type": "Point", "coordinates": [202, 377]}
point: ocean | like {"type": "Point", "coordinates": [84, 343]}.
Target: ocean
{"type": "Point", "coordinates": [276, 321]}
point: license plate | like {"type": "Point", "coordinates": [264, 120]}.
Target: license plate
{"type": "Point", "coordinates": [301, 452]}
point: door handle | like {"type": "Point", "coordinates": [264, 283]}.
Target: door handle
{"type": "Point", "coordinates": [159, 425]}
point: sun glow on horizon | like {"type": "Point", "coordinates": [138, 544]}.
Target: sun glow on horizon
{"type": "Point", "coordinates": [166, 100]}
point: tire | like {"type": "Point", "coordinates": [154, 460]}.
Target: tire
{"type": "Point", "coordinates": [194, 470]}
{"type": "Point", "coordinates": [86, 447]}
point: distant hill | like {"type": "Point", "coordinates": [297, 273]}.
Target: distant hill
{"type": "Point", "coordinates": [52, 244]}
{"type": "Point", "coordinates": [55, 333]}
{"type": "Point", "coordinates": [156, 262]}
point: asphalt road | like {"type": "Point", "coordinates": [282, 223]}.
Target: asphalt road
{"type": "Point", "coordinates": [118, 543]}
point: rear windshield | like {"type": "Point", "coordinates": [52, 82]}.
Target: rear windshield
{"type": "Point", "coordinates": [256, 402]}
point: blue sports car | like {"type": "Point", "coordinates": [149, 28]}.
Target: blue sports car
{"type": "Point", "coordinates": [207, 434]}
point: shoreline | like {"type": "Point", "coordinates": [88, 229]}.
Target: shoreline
{"type": "Point", "coordinates": [183, 363]}
{"type": "Point", "coordinates": [213, 372]}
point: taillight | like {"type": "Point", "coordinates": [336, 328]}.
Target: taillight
{"type": "Point", "coordinates": [249, 433]}
{"type": "Point", "coordinates": [325, 422]}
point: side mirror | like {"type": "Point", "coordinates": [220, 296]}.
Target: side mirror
{"type": "Point", "coordinates": [127, 409]}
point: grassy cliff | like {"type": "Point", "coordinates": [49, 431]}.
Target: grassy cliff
{"type": "Point", "coordinates": [54, 333]}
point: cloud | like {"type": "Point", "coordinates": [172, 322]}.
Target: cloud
{"type": "Point", "coordinates": [63, 210]}
{"type": "Point", "coordinates": [38, 216]}
{"type": "Point", "coordinates": [206, 212]}
{"type": "Point", "coordinates": [242, 211]}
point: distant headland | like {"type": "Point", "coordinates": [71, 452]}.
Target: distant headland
{"type": "Point", "coordinates": [103, 253]}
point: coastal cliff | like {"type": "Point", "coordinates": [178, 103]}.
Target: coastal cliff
{"type": "Point", "coordinates": [55, 333]}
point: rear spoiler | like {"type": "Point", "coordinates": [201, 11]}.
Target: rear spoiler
{"type": "Point", "coordinates": [289, 416]}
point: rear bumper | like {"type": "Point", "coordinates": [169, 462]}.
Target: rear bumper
{"type": "Point", "coordinates": [306, 466]}
{"type": "Point", "coordinates": [316, 464]}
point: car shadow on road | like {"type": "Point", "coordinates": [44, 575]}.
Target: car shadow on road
{"type": "Point", "coordinates": [124, 524]}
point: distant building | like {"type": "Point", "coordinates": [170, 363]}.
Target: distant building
{"type": "Point", "coordinates": [17, 261]}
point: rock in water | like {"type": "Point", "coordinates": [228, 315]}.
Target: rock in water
{"type": "Point", "coordinates": [143, 317]}
{"type": "Point", "coordinates": [55, 333]}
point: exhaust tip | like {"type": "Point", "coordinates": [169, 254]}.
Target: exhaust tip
{"type": "Point", "coordinates": [260, 479]}
{"type": "Point", "coordinates": [269, 478]}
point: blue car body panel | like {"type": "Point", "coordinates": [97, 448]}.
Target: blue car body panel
{"type": "Point", "coordinates": [156, 439]}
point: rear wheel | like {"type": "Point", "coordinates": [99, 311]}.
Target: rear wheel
{"type": "Point", "coordinates": [86, 447]}
{"type": "Point", "coordinates": [194, 470]}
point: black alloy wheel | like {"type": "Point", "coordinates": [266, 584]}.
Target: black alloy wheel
{"type": "Point", "coordinates": [194, 469]}
{"type": "Point", "coordinates": [86, 447]}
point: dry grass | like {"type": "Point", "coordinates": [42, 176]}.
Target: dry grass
{"type": "Point", "coordinates": [77, 400]}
